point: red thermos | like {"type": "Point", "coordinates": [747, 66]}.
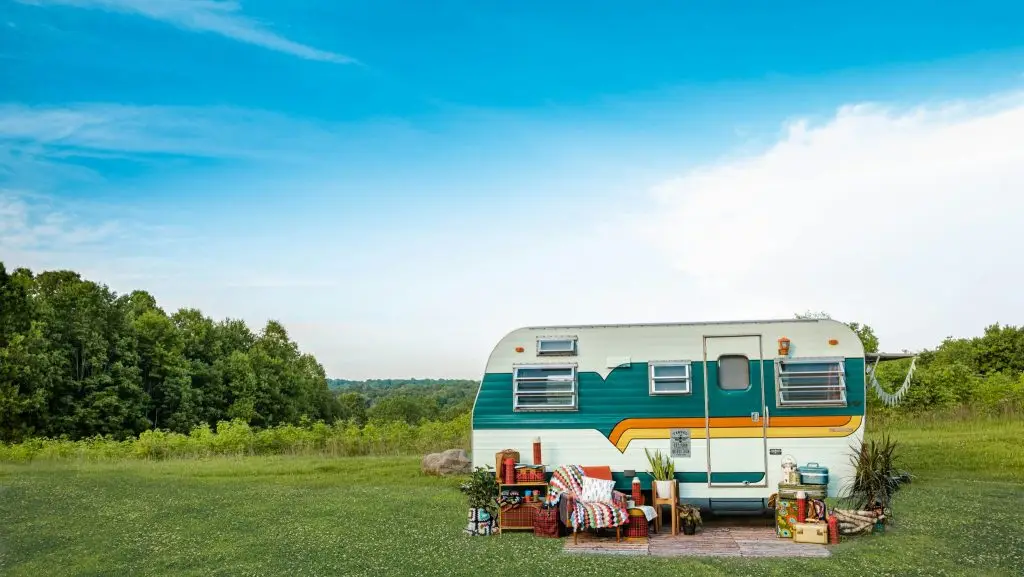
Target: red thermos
{"type": "Point", "coordinates": [833, 529]}
{"type": "Point", "coordinates": [536, 451]}
{"type": "Point", "coordinates": [509, 474]}
{"type": "Point", "coordinates": [801, 506]}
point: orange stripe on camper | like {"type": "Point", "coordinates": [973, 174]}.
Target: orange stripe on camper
{"type": "Point", "coordinates": [724, 422]}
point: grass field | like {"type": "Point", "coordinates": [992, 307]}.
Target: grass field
{"type": "Point", "coordinates": [378, 516]}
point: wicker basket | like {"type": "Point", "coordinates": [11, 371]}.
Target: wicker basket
{"type": "Point", "coordinates": [501, 456]}
{"type": "Point", "coordinates": [518, 516]}
{"type": "Point", "coordinates": [637, 525]}
{"type": "Point", "coordinates": [545, 523]}
{"type": "Point", "coordinates": [530, 474]}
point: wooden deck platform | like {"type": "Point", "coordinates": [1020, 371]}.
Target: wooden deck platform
{"type": "Point", "coordinates": [728, 539]}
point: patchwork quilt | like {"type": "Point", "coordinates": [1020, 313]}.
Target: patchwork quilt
{"type": "Point", "coordinates": [567, 482]}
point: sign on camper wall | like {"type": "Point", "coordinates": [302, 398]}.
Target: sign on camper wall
{"type": "Point", "coordinates": [679, 443]}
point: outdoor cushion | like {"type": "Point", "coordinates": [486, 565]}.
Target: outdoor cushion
{"type": "Point", "coordinates": [596, 490]}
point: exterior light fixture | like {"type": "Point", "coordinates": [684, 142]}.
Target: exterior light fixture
{"type": "Point", "coordinates": [783, 346]}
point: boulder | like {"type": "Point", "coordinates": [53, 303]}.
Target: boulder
{"type": "Point", "coordinates": [430, 463]}
{"type": "Point", "coordinates": [450, 462]}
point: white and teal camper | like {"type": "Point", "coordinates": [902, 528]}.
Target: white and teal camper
{"type": "Point", "coordinates": [727, 401]}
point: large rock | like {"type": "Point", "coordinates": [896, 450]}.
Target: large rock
{"type": "Point", "coordinates": [431, 463]}
{"type": "Point", "coordinates": [450, 462]}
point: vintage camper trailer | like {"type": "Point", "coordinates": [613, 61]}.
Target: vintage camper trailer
{"type": "Point", "coordinates": [727, 401]}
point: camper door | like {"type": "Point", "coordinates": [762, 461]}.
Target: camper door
{"type": "Point", "coordinates": [734, 411]}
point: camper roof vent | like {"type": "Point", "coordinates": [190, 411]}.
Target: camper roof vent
{"type": "Point", "coordinates": [560, 346]}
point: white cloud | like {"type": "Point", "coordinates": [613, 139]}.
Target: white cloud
{"type": "Point", "coordinates": [29, 223]}
{"type": "Point", "coordinates": [214, 16]}
{"type": "Point", "coordinates": [906, 219]}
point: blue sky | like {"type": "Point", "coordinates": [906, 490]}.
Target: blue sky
{"type": "Point", "coordinates": [402, 183]}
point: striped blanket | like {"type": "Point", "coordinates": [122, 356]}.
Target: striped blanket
{"type": "Point", "coordinates": [567, 481]}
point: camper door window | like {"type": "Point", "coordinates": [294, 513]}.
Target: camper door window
{"type": "Point", "coordinates": [811, 382]}
{"type": "Point", "coordinates": [670, 377]}
{"type": "Point", "coordinates": [544, 387]}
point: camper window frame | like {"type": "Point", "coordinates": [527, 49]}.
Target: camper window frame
{"type": "Point", "coordinates": [652, 379]}
{"type": "Point", "coordinates": [573, 380]}
{"type": "Point", "coordinates": [572, 351]}
{"type": "Point", "coordinates": [841, 387]}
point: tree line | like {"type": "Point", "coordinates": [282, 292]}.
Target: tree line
{"type": "Point", "coordinates": [411, 400]}
{"type": "Point", "coordinates": [984, 374]}
{"type": "Point", "coordinates": [78, 360]}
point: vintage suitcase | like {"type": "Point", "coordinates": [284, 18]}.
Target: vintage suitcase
{"type": "Point", "coordinates": [810, 533]}
{"type": "Point", "coordinates": [813, 474]}
{"type": "Point", "coordinates": [785, 517]}
{"type": "Point", "coordinates": [812, 491]}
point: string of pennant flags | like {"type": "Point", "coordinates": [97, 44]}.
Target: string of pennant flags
{"type": "Point", "coordinates": [894, 398]}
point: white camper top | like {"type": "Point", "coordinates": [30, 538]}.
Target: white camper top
{"type": "Point", "coordinates": [600, 348]}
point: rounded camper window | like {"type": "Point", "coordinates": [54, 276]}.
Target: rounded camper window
{"type": "Point", "coordinates": [733, 372]}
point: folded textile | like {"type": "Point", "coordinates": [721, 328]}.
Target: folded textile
{"type": "Point", "coordinates": [649, 512]}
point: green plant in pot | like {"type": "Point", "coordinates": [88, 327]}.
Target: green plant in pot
{"type": "Point", "coordinates": [481, 491]}
{"type": "Point", "coordinates": [689, 518]}
{"type": "Point", "coordinates": [663, 470]}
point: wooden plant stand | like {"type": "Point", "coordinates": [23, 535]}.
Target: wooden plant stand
{"type": "Point", "coordinates": [521, 516]}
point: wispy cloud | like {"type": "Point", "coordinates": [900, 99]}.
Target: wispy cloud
{"type": "Point", "coordinates": [112, 244]}
{"type": "Point", "coordinates": [30, 222]}
{"type": "Point", "coordinates": [223, 17]}
{"type": "Point", "coordinates": [212, 132]}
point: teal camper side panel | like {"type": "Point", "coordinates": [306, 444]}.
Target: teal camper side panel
{"type": "Point", "coordinates": [625, 394]}
{"type": "Point", "coordinates": [601, 403]}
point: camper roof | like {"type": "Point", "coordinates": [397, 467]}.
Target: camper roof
{"type": "Point", "coordinates": [675, 324]}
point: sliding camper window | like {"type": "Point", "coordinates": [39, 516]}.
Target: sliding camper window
{"type": "Point", "coordinates": [810, 382]}
{"type": "Point", "coordinates": [556, 346]}
{"type": "Point", "coordinates": [670, 377]}
{"type": "Point", "coordinates": [544, 387]}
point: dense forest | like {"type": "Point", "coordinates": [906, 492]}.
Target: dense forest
{"type": "Point", "coordinates": [79, 361]}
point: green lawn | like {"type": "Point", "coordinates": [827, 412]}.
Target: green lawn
{"type": "Point", "coordinates": [964, 514]}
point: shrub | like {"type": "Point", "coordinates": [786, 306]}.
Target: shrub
{"type": "Point", "coordinates": [236, 437]}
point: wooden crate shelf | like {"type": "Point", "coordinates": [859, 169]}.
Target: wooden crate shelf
{"type": "Point", "coordinates": [521, 516]}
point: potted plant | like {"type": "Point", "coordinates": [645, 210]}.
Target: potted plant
{"type": "Point", "coordinates": [876, 478]}
{"type": "Point", "coordinates": [689, 518]}
{"type": "Point", "coordinates": [663, 470]}
{"type": "Point", "coordinates": [481, 492]}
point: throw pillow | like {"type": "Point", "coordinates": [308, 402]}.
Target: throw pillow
{"type": "Point", "coordinates": [596, 489]}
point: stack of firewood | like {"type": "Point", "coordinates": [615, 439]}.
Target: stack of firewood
{"type": "Point", "coordinates": [853, 522]}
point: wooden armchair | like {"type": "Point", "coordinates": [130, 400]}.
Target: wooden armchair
{"type": "Point", "coordinates": [597, 515]}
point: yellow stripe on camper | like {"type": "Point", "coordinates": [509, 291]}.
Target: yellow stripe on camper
{"type": "Point", "coordinates": [810, 427]}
